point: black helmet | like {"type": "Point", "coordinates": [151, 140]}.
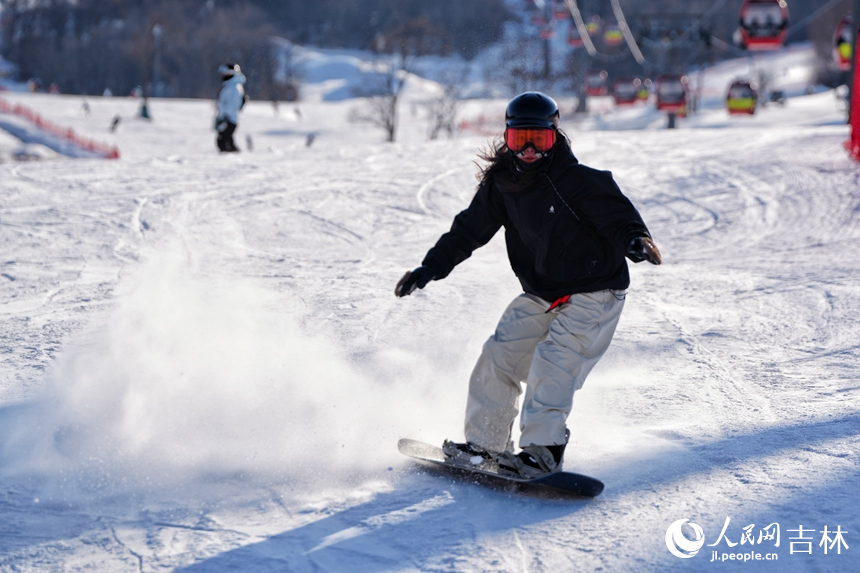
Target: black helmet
{"type": "Point", "coordinates": [532, 109]}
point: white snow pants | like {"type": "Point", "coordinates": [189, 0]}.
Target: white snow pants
{"type": "Point", "coordinates": [552, 353]}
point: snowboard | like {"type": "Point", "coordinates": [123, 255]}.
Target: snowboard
{"type": "Point", "coordinates": [569, 482]}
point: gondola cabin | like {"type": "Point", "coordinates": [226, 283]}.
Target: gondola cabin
{"type": "Point", "coordinates": [547, 31]}
{"type": "Point", "coordinates": [625, 91]}
{"type": "Point", "coordinates": [671, 93]}
{"type": "Point", "coordinates": [593, 25]}
{"type": "Point", "coordinates": [843, 43]}
{"type": "Point", "coordinates": [612, 35]}
{"type": "Point", "coordinates": [596, 83]}
{"type": "Point", "coordinates": [741, 98]}
{"type": "Point", "coordinates": [763, 24]}
{"type": "Point", "coordinates": [574, 39]}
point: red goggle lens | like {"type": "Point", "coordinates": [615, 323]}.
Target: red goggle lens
{"type": "Point", "coordinates": [518, 138]}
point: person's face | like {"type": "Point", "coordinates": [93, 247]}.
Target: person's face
{"type": "Point", "coordinates": [529, 155]}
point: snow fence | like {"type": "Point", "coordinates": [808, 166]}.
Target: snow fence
{"type": "Point", "coordinates": [66, 134]}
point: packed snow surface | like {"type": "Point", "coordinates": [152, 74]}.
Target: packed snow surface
{"type": "Point", "coordinates": [203, 366]}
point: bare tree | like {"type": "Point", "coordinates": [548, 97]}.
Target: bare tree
{"type": "Point", "coordinates": [442, 110]}
{"type": "Point", "coordinates": [382, 95]}
{"type": "Point", "coordinates": [397, 54]}
{"type": "Point", "coordinates": [287, 76]}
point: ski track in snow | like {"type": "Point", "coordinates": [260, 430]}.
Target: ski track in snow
{"type": "Point", "coordinates": [204, 367]}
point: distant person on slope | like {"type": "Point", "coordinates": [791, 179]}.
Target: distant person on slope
{"type": "Point", "coordinates": [568, 229]}
{"type": "Point", "coordinates": [231, 99]}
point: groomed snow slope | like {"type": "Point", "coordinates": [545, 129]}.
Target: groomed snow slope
{"type": "Point", "coordinates": [204, 367]}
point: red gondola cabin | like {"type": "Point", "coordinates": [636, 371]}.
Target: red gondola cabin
{"type": "Point", "coordinates": [596, 83]}
{"type": "Point", "coordinates": [625, 91]}
{"type": "Point", "coordinates": [671, 92]}
{"type": "Point", "coordinates": [763, 24]}
{"type": "Point", "coordinates": [843, 43]}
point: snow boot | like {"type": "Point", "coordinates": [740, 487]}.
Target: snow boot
{"type": "Point", "coordinates": [535, 461]}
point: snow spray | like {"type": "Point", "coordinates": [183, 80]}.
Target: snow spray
{"type": "Point", "coordinates": [194, 375]}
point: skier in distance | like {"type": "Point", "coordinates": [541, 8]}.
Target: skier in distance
{"type": "Point", "coordinates": [568, 229]}
{"type": "Point", "coordinates": [231, 99]}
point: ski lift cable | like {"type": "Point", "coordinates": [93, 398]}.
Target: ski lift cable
{"type": "Point", "coordinates": [728, 46]}
{"type": "Point", "coordinates": [682, 38]}
{"type": "Point", "coordinates": [580, 25]}
{"type": "Point", "coordinates": [628, 36]}
{"type": "Point", "coordinates": [802, 24]}
{"type": "Point", "coordinates": [792, 29]}
{"type": "Point", "coordinates": [586, 39]}
{"type": "Point", "coordinates": [625, 29]}
{"type": "Point", "coordinates": [707, 14]}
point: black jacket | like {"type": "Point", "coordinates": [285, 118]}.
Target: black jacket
{"type": "Point", "coordinates": [567, 232]}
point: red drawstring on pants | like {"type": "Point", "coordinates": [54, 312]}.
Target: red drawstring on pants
{"type": "Point", "coordinates": [558, 302]}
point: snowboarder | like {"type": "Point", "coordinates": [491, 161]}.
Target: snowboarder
{"type": "Point", "coordinates": [231, 99]}
{"type": "Point", "coordinates": [568, 228]}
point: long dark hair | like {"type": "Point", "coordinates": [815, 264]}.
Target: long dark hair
{"type": "Point", "coordinates": [500, 166]}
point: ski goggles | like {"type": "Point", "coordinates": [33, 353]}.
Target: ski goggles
{"type": "Point", "coordinates": [541, 138]}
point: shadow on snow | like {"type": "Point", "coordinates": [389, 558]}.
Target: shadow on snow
{"type": "Point", "coordinates": [424, 522]}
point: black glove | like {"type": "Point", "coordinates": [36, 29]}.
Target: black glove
{"type": "Point", "coordinates": [413, 280]}
{"type": "Point", "coordinates": [644, 249]}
